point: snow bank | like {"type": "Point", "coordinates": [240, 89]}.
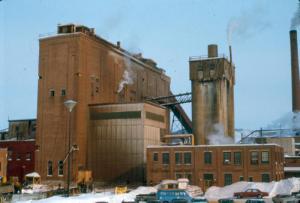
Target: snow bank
{"type": "Point", "coordinates": [97, 197]}
{"type": "Point", "coordinates": [286, 186]}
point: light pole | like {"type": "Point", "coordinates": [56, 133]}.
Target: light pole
{"type": "Point", "coordinates": [70, 104]}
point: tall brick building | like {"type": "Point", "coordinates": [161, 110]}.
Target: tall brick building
{"type": "Point", "coordinates": [76, 64]}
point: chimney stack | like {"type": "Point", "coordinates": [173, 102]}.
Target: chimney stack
{"type": "Point", "coordinates": [295, 71]}
{"type": "Point", "coordinates": [212, 50]}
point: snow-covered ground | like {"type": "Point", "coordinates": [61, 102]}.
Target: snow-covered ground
{"type": "Point", "coordinates": [286, 186]}
{"type": "Point", "coordinates": [213, 193]}
{"type": "Point", "coordinates": [96, 197]}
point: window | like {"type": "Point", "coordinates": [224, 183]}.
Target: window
{"type": "Point", "coordinates": [250, 179]}
{"type": "Point", "coordinates": [265, 157]}
{"type": "Point", "coordinates": [237, 158]}
{"type": "Point", "coordinates": [265, 177]}
{"type": "Point", "coordinates": [9, 155]}
{"type": "Point", "coordinates": [178, 158]}
{"type": "Point", "coordinates": [178, 175]}
{"type": "Point", "coordinates": [165, 158]}
{"type": "Point", "coordinates": [254, 158]}
{"type": "Point", "coordinates": [207, 157]}
{"type": "Point", "coordinates": [187, 157]}
{"type": "Point", "coordinates": [28, 156]}
{"type": "Point", "coordinates": [63, 92]}
{"type": "Point", "coordinates": [18, 157]}
{"type": "Point", "coordinates": [60, 168]}
{"type": "Point", "coordinates": [227, 179]}
{"type": "Point", "coordinates": [226, 157]}
{"type": "Point", "coordinates": [155, 156]}
{"type": "Point", "coordinates": [241, 178]}
{"type": "Point", "coordinates": [50, 169]}
{"type": "Point", "coordinates": [52, 93]}
{"type": "Point", "coordinates": [188, 176]}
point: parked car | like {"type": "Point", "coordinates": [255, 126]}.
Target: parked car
{"type": "Point", "coordinates": [255, 201]}
{"type": "Point", "coordinates": [251, 193]}
{"type": "Point", "coordinates": [228, 200]}
{"type": "Point", "coordinates": [279, 198]}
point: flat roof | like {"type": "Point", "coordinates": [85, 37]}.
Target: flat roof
{"type": "Point", "coordinates": [19, 120]}
{"type": "Point", "coordinates": [223, 145]}
{"type": "Point", "coordinates": [291, 169]}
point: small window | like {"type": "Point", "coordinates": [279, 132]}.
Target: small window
{"type": "Point", "coordinates": [50, 168]}
{"type": "Point", "coordinates": [178, 158]}
{"type": "Point", "coordinates": [250, 179]}
{"type": "Point", "coordinates": [165, 158]}
{"type": "Point", "coordinates": [155, 156]}
{"type": "Point", "coordinates": [226, 157]}
{"type": "Point", "coordinates": [265, 157]}
{"type": "Point", "coordinates": [63, 92]}
{"type": "Point", "coordinates": [60, 168]}
{"type": "Point", "coordinates": [9, 155]}
{"type": "Point", "coordinates": [207, 157]}
{"type": "Point", "coordinates": [188, 176]}
{"type": "Point", "coordinates": [187, 158]}
{"type": "Point", "coordinates": [28, 156]}
{"type": "Point", "coordinates": [265, 177]}
{"type": "Point", "coordinates": [241, 178]}
{"type": "Point", "coordinates": [52, 93]}
{"type": "Point", "coordinates": [227, 179]}
{"type": "Point", "coordinates": [237, 158]}
{"type": "Point", "coordinates": [18, 157]}
{"type": "Point", "coordinates": [254, 158]}
{"type": "Point", "coordinates": [178, 175]}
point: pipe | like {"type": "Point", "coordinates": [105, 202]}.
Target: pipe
{"type": "Point", "coordinates": [230, 54]}
{"type": "Point", "coordinates": [295, 71]}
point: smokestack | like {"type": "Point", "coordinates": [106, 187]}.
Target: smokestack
{"type": "Point", "coordinates": [212, 50]}
{"type": "Point", "coordinates": [295, 71]}
{"type": "Point", "coordinates": [230, 54]}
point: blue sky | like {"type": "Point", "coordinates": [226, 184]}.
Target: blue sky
{"type": "Point", "coordinates": [168, 31]}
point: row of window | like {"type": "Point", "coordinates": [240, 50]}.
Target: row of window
{"type": "Point", "coordinates": [19, 157]}
{"type": "Point", "coordinates": [180, 157]}
{"type": "Point", "coordinates": [209, 178]}
{"type": "Point", "coordinates": [60, 168]}
{"type": "Point", "coordinates": [62, 93]}
{"type": "Point", "coordinates": [186, 157]}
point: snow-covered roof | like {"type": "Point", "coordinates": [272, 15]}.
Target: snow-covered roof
{"type": "Point", "coordinates": [33, 174]}
{"type": "Point", "coordinates": [291, 169]}
{"type": "Point", "coordinates": [222, 145]}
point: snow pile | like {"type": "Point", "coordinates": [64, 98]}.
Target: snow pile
{"type": "Point", "coordinates": [36, 189]}
{"type": "Point", "coordinates": [97, 197]}
{"type": "Point", "coordinates": [286, 186]}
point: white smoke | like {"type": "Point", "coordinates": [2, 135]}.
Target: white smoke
{"type": "Point", "coordinates": [295, 21]}
{"type": "Point", "coordinates": [127, 79]}
{"type": "Point", "coordinates": [129, 76]}
{"type": "Point", "coordinates": [247, 24]}
{"type": "Point", "coordinates": [218, 137]}
{"type": "Point", "coordinates": [288, 121]}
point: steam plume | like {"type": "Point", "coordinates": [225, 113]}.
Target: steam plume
{"type": "Point", "coordinates": [295, 22]}
{"type": "Point", "coordinates": [218, 136]}
{"type": "Point", "coordinates": [247, 24]}
{"type": "Point", "coordinates": [126, 80]}
{"type": "Point", "coordinates": [128, 77]}
{"type": "Point", "coordinates": [290, 120]}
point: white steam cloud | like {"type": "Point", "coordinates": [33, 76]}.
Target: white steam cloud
{"type": "Point", "coordinates": [128, 77]}
{"type": "Point", "coordinates": [247, 24]}
{"type": "Point", "coordinates": [218, 137]}
{"type": "Point", "coordinates": [295, 22]}
{"type": "Point", "coordinates": [288, 121]}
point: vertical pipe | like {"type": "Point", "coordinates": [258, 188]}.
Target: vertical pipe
{"type": "Point", "coordinates": [230, 54]}
{"type": "Point", "coordinates": [295, 71]}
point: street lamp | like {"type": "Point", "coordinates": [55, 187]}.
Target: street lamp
{"type": "Point", "coordinates": [70, 104]}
